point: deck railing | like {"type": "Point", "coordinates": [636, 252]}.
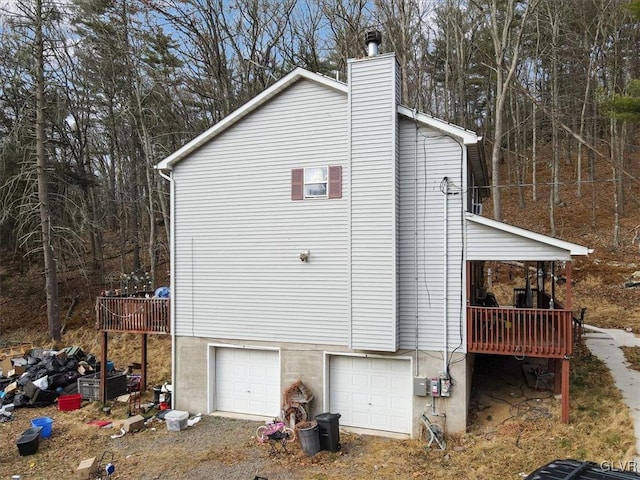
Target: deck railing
{"type": "Point", "coordinates": [131, 314]}
{"type": "Point", "coordinates": [529, 332]}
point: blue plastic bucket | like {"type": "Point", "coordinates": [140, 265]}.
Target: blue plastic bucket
{"type": "Point", "coordinates": [46, 423]}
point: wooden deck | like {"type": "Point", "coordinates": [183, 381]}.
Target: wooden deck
{"type": "Point", "coordinates": [133, 315]}
{"type": "Point", "coordinates": [530, 332]}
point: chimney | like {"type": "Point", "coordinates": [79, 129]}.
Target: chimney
{"type": "Point", "coordinates": [373, 98]}
{"type": "Point", "coordinates": [372, 40]}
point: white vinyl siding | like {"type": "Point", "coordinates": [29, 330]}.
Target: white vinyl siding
{"type": "Point", "coordinates": [238, 234]}
{"type": "Point", "coordinates": [373, 97]}
{"type": "Point", "coordinates": [438, 156]}
{"type": "Point", "coordinates": [487, 243]}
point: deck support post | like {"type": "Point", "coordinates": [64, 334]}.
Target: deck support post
{"type": "Point", "coordinates": [143, 364]}
{"type": "Point", "coordinates": [565, 390]}
{"type": "Point", "coordinates": [567, 274]}
{"type": "Point", "coordinates": [103, 367]}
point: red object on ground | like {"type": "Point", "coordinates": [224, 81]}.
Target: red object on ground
{"type": "Point", "coordinates": [164, 405]}
{"type": "Point", "coordinates": [69, 402]}
{"type": "Point", "coordinates": [99, 423]}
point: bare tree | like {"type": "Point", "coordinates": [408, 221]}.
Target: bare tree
{"type": "Point", "coordinates": [50, 269]}
{"type": "Point", "coordinates": [507, 22]}
{"type": "Point", "coordinates": [347, 21]}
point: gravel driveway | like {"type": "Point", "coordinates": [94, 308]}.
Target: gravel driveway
{"type": "Point", "coordinates": [213, 448]}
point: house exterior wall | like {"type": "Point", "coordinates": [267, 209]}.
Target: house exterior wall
{"type": "Point", "coordinates": [426, 278]}
{"type": "Point", "coordinates": [366, 288]}
{"type": "Point", "coordinates": [238, 234]}
{"type": "Point", "coordinates": [193, 389]}
{"type": "Point", "coordinates": [374, 94]}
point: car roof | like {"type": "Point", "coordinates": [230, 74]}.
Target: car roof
{"type": "Point", "coordinates": [570, 469]}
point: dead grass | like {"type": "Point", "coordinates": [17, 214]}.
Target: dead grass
{"type": "Point", "coordinates": [632, 354]}
{"type": "Point", "coordinates": [600, 429]}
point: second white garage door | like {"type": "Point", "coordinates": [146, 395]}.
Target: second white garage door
{"type": "Point", "coordinates": [372, 393]}
{"type": "Point", "coordinates": [247, 381]}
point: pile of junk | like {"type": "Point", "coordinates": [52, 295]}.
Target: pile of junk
{"type": "Point", "coordinates": [37, 377]}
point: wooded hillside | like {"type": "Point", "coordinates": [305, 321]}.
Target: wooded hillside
{"type": "Point", "coordinates": [94, 93]}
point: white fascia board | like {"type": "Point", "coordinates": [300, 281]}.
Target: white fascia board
{"type": "Point", "coordinates": [251, 105]}
{"type": "Point", "coordinates": [573, 248]}
{"type": "Point", "coordinates": [466, 136]}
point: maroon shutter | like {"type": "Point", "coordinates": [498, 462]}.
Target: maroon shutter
{"type": "Point", "coordinates": [297, 184]}
{"type": "Point", "coordinates": [335, 182]}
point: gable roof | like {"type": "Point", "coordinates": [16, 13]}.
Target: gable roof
{"type": "Point", "coordinates": [250, 106]}
{"type": "Point", "coordinates": [489, 239]}
{"type": "Point", "coordinates": [466, 137]}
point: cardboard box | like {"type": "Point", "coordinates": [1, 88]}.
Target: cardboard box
{"type": "Point", "coordinates": [133, 424]}
{"type": "Point", "coordinates": [86, 468]}
{"type": "Point", "coordinates": [6, 365]}
{"type": "Point", "coordinates": [16, 371]}
{"type": "Point", "coordinates": [84, 368]}
{"type": "Point", "coordinates": [12, 387]}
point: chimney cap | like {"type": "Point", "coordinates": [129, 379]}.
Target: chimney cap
{"type": "Point", "coordinates": [372, 39]}
{"type": "Point", "coordinates": [373, 36]}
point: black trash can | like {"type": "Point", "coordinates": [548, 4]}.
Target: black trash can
{"type": "Point", "coordinates": [329, 431]}
{"type": "Point", "coordinates": [310, 439]}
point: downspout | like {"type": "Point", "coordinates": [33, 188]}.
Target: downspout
{"type": "Point", "coordinates": [415, 245]}
{"type": "Point", "coordinates": [445, 367]}
{"type": "Point", "coordinates": [172, 303]}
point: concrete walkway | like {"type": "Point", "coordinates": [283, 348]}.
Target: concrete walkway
{"type": "Point", "coordinates": [605, 343]}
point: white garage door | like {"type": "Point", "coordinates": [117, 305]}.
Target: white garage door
{"type": "Point", "coordinates": [247, 381]}
{"type": "Point", "coordinates": [373, 393]}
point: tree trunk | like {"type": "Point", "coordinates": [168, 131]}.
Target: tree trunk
{"type": "Point", "coordinates": [50, 274]}
{"type": "Point", "coordinates": [534, 153]}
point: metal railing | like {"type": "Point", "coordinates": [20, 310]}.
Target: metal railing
{"type": "Point", "coordinates": [131, 314]}
{"type": "Point", "coordinates": [529, 332]}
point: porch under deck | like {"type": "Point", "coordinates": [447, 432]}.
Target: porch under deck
{"type": "Point", "coordinates": [523, 332]}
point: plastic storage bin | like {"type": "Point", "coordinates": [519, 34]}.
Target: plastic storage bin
{"type": "Point", "coordinates": [329, 431]}
{"type": "Point", "coordinates": [69, 402]}
{"type": "Point", "coordinates": [89, 385]}
{"type": "Point", "coordinates": [28, 441]}
{"type": "Point", "coordinates": [45, 423]}
{"type": "Point", "coordinates": [176, 420]}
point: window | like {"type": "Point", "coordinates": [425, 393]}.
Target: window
{"type": "Point", "coordinates": [316, 182]}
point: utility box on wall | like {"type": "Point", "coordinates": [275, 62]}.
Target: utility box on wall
{"type": "Point", "coordinates": [420, 386]}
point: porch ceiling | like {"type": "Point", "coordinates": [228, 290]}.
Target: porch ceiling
{"type": "Point", "coordinates": [488, 239]}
